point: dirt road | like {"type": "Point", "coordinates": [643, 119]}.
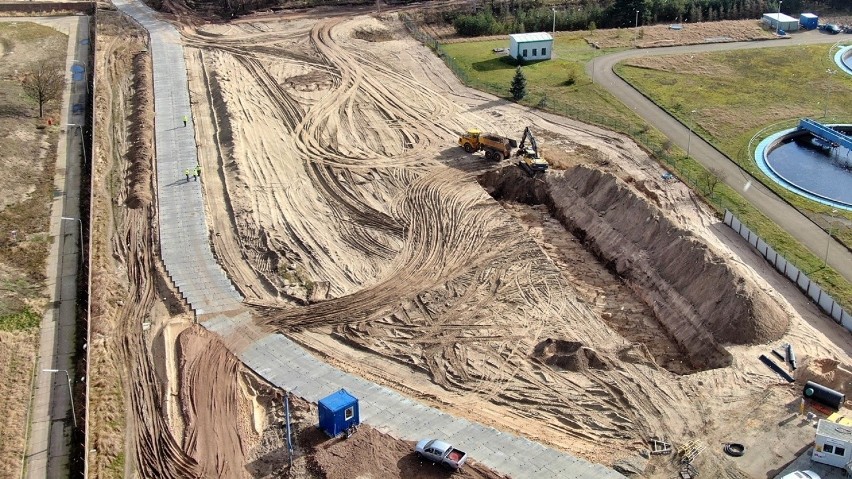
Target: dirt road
{"type": "Point", "coordinates": [783, 214]}
{"type": "Point", "coordinates": [358, 228]}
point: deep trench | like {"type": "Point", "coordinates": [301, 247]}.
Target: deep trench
{"type": "Point", "coordinates": [698, 351]}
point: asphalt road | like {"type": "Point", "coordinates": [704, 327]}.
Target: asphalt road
{"type": "Point", "coordinates": [787, 217]}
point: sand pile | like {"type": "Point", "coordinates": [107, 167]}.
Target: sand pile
{"type": "Point", "coordinates": [140, 140]}
{"type": "Point", "coordinates": [369, 453]}
{"type": "Point", "coordinates": [569, 355]}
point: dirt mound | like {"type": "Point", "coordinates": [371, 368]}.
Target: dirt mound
{"type": "Point", "coordinates": [569, 355]}
{"type": "Point", "coordinates": [370, 454]}
{"type": "Point", "coordinates": [141, 141]}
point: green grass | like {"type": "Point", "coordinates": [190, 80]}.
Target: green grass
{"type": "Point", "coordinates": [559, 85]}
{"type": "Point", "coordinates": [735, 95]}
{"type": "Point", "coordinates": [19, 321]}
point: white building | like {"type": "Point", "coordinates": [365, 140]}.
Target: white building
{"type": "Point", "coordinates": [779, 21]}
{"type": "Point", "coordinates": [833, 444]}
{"type": "Point", "coordinates": [530, 46]}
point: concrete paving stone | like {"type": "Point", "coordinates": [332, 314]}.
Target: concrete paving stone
{"type": "Point", "coordinates": [451, 428]}
{"type": "Point", "coordinates": [196, 286]}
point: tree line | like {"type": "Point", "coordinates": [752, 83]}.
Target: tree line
{"type": "Point", "coordinates": [497, 17]}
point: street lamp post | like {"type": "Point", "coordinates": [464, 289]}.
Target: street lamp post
{"type": "Point", "coordinates": [82, 140]}
{"type": "Point", "coordinates": [636, 28]}
{"type": "Point", "coordinates": [689, 138]}
{"type": "Point", "coordinates": [828, 92]}
{"type": "Point", "coordinates": [70, 391]}
{"type": "Point", "coordinates": [828, 240]}
{"type": "Point", "coordinates": [778, 23]}
{"type": "Point", "coordinates": [554, 20]}
{"type": "Point", "coordinates": [65, 218]}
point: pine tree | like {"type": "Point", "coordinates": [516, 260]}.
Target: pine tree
{"type": "Point", "coordinates": [519, 85]}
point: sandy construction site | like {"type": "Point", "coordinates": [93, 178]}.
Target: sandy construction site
{"type": "Point", "coordinates": [590, 309]}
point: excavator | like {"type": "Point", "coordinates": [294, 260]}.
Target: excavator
{"type": "Point", "coordinates": [531, 162]}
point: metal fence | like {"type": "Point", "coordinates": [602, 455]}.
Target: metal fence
{"type": "Point", "coordinates": [825, 302]}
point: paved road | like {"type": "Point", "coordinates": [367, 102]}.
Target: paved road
{"type": "Point", "coordinates": [190, 263]}
{"type": "Point", "coordinates": [790, 219]}
{"type": "Point", "coordinates": [50, 411]}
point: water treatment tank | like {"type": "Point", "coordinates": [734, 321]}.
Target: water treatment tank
{"type": "Point", "coordinates": [823, 395]}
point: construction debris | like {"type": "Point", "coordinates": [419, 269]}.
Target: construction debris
{"type": "Point", "coordinates": [734, 449]}
{"type": "Point", "coordinates": [775, 367]}
{"type": "Point", "coordinates": [689, 451]}
{"type": "Point", "coordinates": [660, 447]}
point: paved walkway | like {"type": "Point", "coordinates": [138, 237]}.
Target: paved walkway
{"type": "Point", "coordinates": [50, 414]}
{"type": "Point", "coordinates": [191, 265]}
{"type": "Point", "coordinates": [183, 227]}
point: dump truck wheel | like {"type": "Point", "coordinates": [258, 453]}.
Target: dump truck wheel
{"type": "Point", "coordinates": [497, 156]}
{"type": "Point", "coordinates": [468, 148]}
{"type": "Point", "coordinates": [487, 155]}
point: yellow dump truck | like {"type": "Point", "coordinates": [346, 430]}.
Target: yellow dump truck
{"type": "Point", "coordinates": [496, 147]}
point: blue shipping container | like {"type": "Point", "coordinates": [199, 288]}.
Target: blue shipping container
{"type": "Point", "coordinates": [338, 412]}
{"type": "Point", "coordinates": [809, 21]}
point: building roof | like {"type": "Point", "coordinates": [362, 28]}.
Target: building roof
{"type": "Point", "coordinates": [809, 15]}
{"type": "Point", "coordinates": [531, 37]}
{"type": "Point", "coordinates": [834, 431]}
{"type": "Point", "coordinates": [338, 400]}
{"type": "Point", "coordinates": [780, 17]}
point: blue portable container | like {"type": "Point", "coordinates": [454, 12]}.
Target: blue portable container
{"type": "Point", "coordinates": [809, 21]}
{"type": "Point", "coordinates": [338, 412]}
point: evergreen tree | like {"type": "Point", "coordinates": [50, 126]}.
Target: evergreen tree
{"type": "Point", "coordinates": [519, 85]}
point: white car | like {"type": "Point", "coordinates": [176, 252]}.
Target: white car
{"type": "Point", "coordinates": [802, 475]}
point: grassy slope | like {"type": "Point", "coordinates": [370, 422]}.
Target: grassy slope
{"type": "Point", "coordinates": [730, 112]}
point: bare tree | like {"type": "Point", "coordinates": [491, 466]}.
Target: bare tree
{"type": "Point", "coordinates": [711, 178]}
{"type": "Point", "coordinates": [44, 82]}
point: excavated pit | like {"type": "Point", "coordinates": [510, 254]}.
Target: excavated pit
{"type": "Point", "coordinates": [697, 299]}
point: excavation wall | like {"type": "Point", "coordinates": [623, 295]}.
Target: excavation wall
{"type": "Point", "coordinates": [698, 297]}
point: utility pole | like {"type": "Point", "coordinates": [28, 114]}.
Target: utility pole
{"type": "Point", "coordinates": [289, 439]}
{"type": "Point", "coordinates": [554, 20]}
{"type": "Point", "coordinates": [636, 29]}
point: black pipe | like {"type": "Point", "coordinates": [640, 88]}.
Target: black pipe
{"type": "Point", "coordinates": [791, 356]}
{"type": "Point", "coordinates": [823, 395]}
{"type": "Point", "coordinates": [776, 368]}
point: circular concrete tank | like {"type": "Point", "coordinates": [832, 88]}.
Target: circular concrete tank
{"type": "Point", "coordinates": [843, 59]}
{"type": "Point", "coordinates": [795, 160]}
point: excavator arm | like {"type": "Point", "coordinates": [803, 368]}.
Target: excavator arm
{"type": "Point", "coordinates": [532, 162]}
{"type": "Point", "coordinates": [533, 148]}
